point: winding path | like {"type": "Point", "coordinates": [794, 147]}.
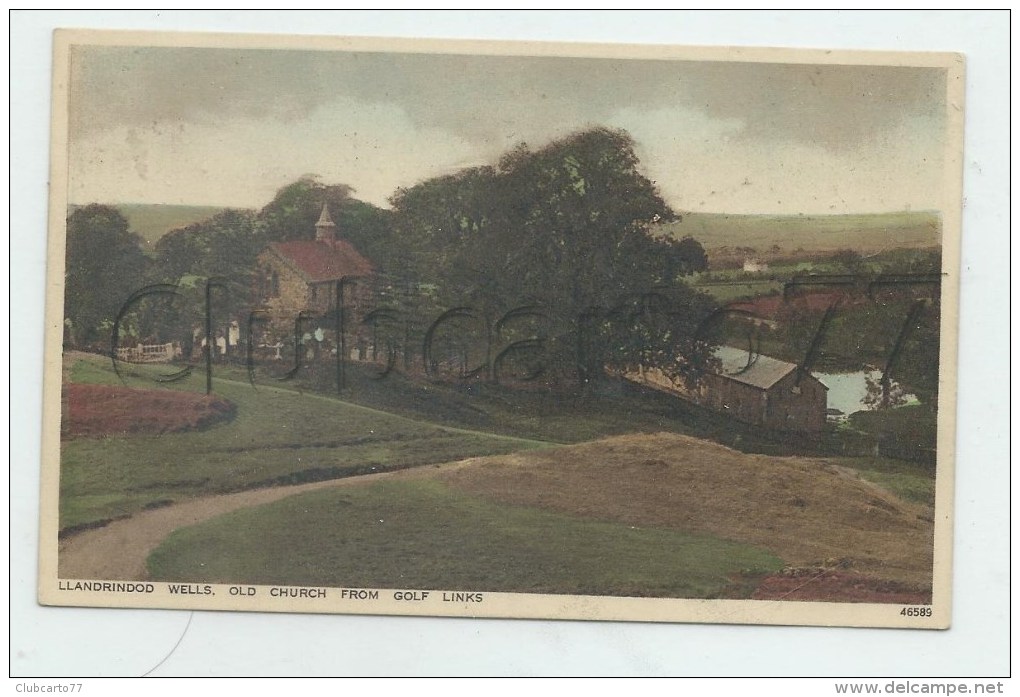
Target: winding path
{"type": "Point", "coordinates": [117, 551]}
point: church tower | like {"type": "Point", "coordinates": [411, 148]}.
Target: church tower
{"type": "Point", "coordinates": [325, 229]}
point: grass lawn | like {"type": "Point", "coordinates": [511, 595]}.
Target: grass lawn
{"type": "Point", "coordinates": [279, 436]}
{"type": "Point", "coordinates": [915, 424]}
{"type": "Point", "coordinates": [557, 414]}
{"type": "Point", "coordinates": [909, 486]}
{"type": "Point", "coordinates": [908, 480]}
{"type": "Point", "coordinates": [420, 534]}
{"type": "Point", "coordinates": [727, 291]}
{"type": "Point", "coordinates": [542, 412]}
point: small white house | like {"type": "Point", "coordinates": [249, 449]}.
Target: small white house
{"type": "Point", "coordinates": [755, 266]}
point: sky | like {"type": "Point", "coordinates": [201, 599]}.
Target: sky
{"type": "Point", "coordinates": [229, 127]}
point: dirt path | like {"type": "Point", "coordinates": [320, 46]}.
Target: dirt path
{"type": "Point", "coordinates": [118, 551]}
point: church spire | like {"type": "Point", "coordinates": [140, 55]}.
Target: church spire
{"type": "Point", "coordinates": [325, 229]}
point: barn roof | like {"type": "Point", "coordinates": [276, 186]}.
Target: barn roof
{"type": "Point", "coordinates": [763, 373]}
{"type": "Point", "coordinates": [320, 261]}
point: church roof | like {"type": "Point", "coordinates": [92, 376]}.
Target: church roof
{"type": "Point", "coordinates": [320, 261]}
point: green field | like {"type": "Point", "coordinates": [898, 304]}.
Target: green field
{"type": "Point", "coordinates": [281, 436]}
{"type": "Point", "coordinates": [901, 478]}
{"type": "Point", "coordinates": [420, 534]}
{"type": "Point", "coordinates": [861, 232]}
{"type": "Point", "coordinates": [733, 283]}
{"type": "Point", "coordinates": [418, 531]}
{"type": "Point", "coordinates": [278, 437]}
{"type": "Point", "coordinates": [542, 412]}
{"type": "Point", "coordinates": [724, 291]}
{"type": "Point", "coordinates": [911, 424]}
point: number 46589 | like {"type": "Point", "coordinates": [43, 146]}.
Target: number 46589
{"type": "Point", "coordinates": [916, 612]}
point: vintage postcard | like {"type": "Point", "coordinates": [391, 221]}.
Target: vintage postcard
{"type": "Point", "coordinates": [501, 330]}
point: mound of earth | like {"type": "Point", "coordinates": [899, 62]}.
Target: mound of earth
{"type": "Point", "coordinates": [834, 586]}
{"type": "Point", "coordinates": [106, 410]}
{"type": "Point", "coordinates": [808, 511]}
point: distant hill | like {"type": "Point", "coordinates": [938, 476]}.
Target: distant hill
{"type": "Point", "coordinates": [153, 220]}
{"type": "Point", "coordinates": [868, 232]}
{"type": "Point", "coordinates": [820, 233]}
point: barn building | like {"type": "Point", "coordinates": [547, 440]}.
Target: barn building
{"type": "Point", "coordinates": [765, 391]}
{"type": "Point", "coordinates": [301, 275]}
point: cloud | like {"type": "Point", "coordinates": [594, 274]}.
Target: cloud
{"type": "Point", "coordinates": [242, 160]}
{"type": "Point", "coordinates": [229, 127]}
{"type": "Point", "coordinates": [707, 163]}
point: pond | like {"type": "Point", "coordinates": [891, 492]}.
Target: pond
{"type": "Point", "coordinates": [847, 391]}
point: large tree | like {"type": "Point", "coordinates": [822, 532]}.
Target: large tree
{"type": "Point", "coordinates": [438, 222]}
{"type": "Point", "coordinates": [564, 229]}
{"type": "Point", "coordinates": [222, 249]}
{"type": "Point", "coordinates": [367, 227]}
{"type": "Point", "coordinates": [689, 255]}
{"type": "Point", "coordinates": [224, 245]}
{"type": "Point", "coordinates": [295, 208]}
{"type": "Point", "coordinates": [105, 264]}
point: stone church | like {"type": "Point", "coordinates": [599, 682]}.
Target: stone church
{"type": "Point", "coordinates": [301, 275]}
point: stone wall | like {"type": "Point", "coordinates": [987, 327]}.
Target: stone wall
{"type": "Point", "coordinates": [291, 296]}
{"type": "Point", "coordinates": [296, 295]}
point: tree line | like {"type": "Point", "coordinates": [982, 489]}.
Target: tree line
{"type": "Point", "coordinates": [567, 231]}
{"type": "Point", "coordinates": [106, 262]}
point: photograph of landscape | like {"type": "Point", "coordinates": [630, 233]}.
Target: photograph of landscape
{"type": "Point", "coordinates": [501, 330]}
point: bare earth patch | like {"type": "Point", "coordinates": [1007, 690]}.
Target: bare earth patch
{"type": "Point", "coordinates": [105, 410]}
{"type": "Point", "coordinates": [835, 586]}
{"type": "Point", "coordinates": [807, 511]}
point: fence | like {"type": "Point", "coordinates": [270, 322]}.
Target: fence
{"type": "Point", "coordinates": [148, 353]}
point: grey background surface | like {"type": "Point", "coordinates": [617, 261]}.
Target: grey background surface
{"type": "Point", "coordinates": [79, 642]}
